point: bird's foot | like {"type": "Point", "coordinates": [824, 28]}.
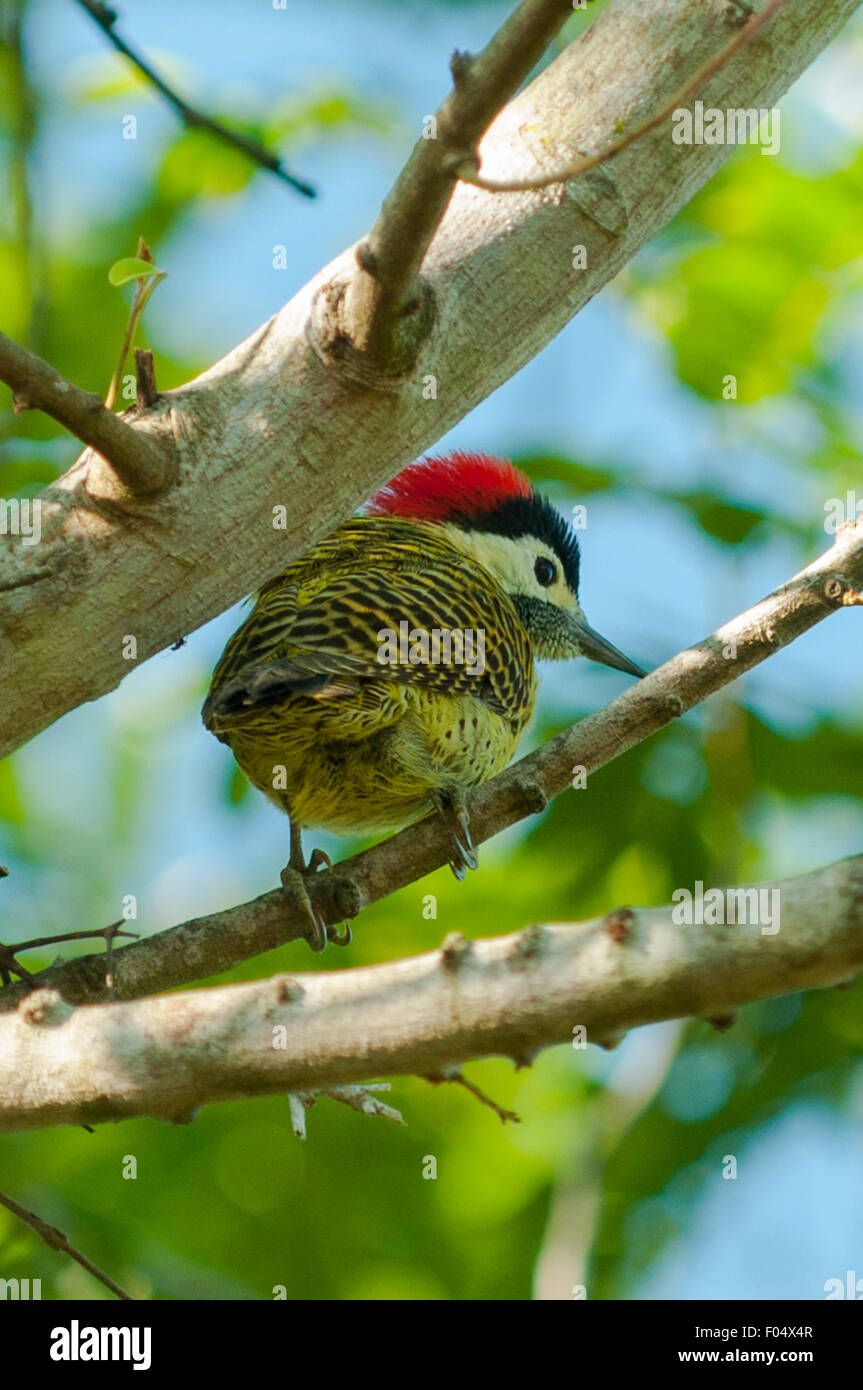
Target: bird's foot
{"type": "Point", "coordinates": [317, 932]}
{"type": "Point", "coordinates": [294, 885]}
{"type": "Point", "coordinates": [453, 809]}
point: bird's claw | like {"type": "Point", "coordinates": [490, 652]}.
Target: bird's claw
{"type": "Point", "coordinates": [467, 859]}
{"type": "Point", "coordinates": [465, 856]}
{"type": "Point", "coordinates": [463, 841]}
{"type": "Point", "coordinates": [317, 858]}
{"type": "Point", "coordinates": [316, 932]}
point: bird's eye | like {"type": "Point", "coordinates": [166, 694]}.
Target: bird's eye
{"type": "Point", "coordinates": [545, 571]}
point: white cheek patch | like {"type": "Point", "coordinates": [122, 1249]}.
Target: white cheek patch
{"type": "Point", "coordinates": [509, 560]}
{"type": "Point", "coordinates": [512, 563]}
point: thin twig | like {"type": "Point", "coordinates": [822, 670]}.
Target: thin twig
{"type": "Point", "coordinates": [58, 1241]}
{"type": "Point", "coordinates": [5, 974]}
{"type": "Point", "coordinates": [9, 964]}
{"type": "Point", "coordinates": [357, 1097]}
{"type": "Point", "coordinates": [468, 173]}
{"type": "Point", "coordinates": [144, 287]}
{"type": "Point", "coordinates": [457, 1078]}
{"type": "Point", "coordinates": [75, 936]}
{"type": "Point", "coordinates": [107, 18]}
{"type": "Point", "coordinates": [143, 464]}
{"type": "Point", "coordinates": [145, 372]}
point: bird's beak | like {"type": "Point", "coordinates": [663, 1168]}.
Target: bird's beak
{"type": "Point", "coordinates": [591, 644]}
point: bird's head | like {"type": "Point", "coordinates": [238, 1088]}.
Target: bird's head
{"type": "Point", "coordinates": [489, 511]}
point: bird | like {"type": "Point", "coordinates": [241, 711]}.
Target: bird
{"type": "Point", "coordinates": [391, 669]}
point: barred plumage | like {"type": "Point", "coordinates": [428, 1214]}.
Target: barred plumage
{"type": "Point", "coordinates": [345, 727]}
{"type": "Point", "coordinates": [300, 686]}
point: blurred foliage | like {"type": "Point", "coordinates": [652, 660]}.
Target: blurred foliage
{"type": "Point", "coordinates": [759, 276]}
{"type": "Point", "coordinates": [767, 257]}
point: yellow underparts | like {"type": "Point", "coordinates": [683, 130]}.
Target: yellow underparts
{"type": "Point", "coordinates": [372, 761]}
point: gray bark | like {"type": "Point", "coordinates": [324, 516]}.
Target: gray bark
{"type": "Point", "coordinates": [507, 996]}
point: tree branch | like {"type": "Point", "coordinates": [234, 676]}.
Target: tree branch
{"type": "Point", "coordinates": [143, 463]}
{"type": "Point", "coordinates": [106, 19]}
{"type": "Point", "coordinates": [508, 996]}
{"type": "Point", "coordinates": [206, 946]}
{"type": "Point", "coordinates": [387, 310]}
{"type": "Point", "coordinates": [263, 426]}
{"type": "Point", "coordinates": [469, 173]}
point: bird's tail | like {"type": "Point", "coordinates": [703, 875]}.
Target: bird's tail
{"type": "Point", "coordinates": [236, 700]}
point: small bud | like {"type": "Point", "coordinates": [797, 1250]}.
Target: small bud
{"type": "Point", "coordinates": [528, 944]}
{"type": "Point", "coordinates": [288, 991]}
{"type": "Point", "coordinates": [618, 923]}
{"type": "Point", "coordinates": [455, 950]}
{"type": "Point", "coordinates": [46, 1007]}
{"type": "Point", "coordinates": [722, 1022]}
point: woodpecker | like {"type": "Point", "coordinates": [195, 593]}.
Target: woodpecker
{"type": "Point", "coordinates": [389, 670]}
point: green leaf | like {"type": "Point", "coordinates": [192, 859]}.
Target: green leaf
{"type": "Point", "coordinates": [198, 165]}
{"type": "Point", "coordinates": [725, 518]}
{"type": "Point", "coordinates": [323, 112]}
{"type": "Point", "coordinates": [131, 268]}
{"type": "Point", "coordinates": [764, 256]}
{"type": "Point", "coordinates": [557, 468]}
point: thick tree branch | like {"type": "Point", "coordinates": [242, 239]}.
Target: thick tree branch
{"type": "Point", "coordinates": [143, 462]}
{"type": "Point", "coordinates": [106, 18]}
{"type": "Point", "coordinates": [208, 945]}
{"type": "Point", "coordinates": [508, 996]}
{"type": "Point", "coordinates": [263, 427]}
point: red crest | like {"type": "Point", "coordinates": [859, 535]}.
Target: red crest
{"type": "Point", "coordinates": [458, 484]}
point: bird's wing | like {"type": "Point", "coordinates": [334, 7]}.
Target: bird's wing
{"type": "Point", "coordinates": [324, 640]}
